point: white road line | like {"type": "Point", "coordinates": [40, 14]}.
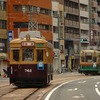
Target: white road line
{"type": "Point", "coordinates": [73, 89]}
{"type": "Point", "coordinates": [98, 82]}
{"type": "Point", "coordinates": [98, 92]}
{"type": "Point", "coordinates": [82, 82]}
{"type": "Point", "coordinates": [76, 88]}
{"type": "Point", "coordinates": [50, 93]}
{"type": "Point", "coordinates": [96, 85]}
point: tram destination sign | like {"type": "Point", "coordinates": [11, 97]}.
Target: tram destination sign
{"type": "Point", "coordinates": [88, 54]}
{"type": "Point", "coordinates": [27, 43]}
{"type": "Point", "coordinates": [39, 45]}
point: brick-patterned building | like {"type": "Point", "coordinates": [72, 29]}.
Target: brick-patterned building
{"type": "Point", "coordinates": [17, 20]}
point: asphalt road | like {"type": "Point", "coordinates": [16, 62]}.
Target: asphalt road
{"type": "Point", "coordinates": [84, 89]}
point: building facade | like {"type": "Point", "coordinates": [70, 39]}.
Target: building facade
{"type": "Point", "coordinates": [84, 24]}
{"type": "Point", "coordinates": [72, 33]}
{"type": "Point", "coordinates": [58, 35]}
{"type": "Point", "coordinates": [93, 16]}
{"type": "Point", "coordinates": [98, 23]}
{"type": "Point", "coordinates": [3, 36]}
{"type": "Point", "coordinates": [20, 13]}
{"type": "Point", "coordinates": [71, 25]}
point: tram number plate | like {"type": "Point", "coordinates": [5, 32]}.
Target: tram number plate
{"type": "Point", "coordinates": [28, 70]}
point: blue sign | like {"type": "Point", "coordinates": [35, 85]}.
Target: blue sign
{"type": "Point", "coordinates": [40, 66]}
{"type": "Point", "coordinates": [10, 35]}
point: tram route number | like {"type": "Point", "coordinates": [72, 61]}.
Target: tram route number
{"type": "Point", "coordinates": [28, 70]}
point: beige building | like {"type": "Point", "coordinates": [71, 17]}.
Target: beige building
{"type": "Point", "coordinates": [3, 36]}
{"type": "Point", "coordinates": [84, 24]}
{"type": "Point", "coordinates": [58, 35]}
{"type": "Point", "coordinates": [98, 10]}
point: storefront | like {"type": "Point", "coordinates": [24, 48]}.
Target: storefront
{"type": "Point", "coordinates": [3, 63]}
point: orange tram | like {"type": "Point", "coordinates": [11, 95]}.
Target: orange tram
{"type": "Point", "coordinates": [30, 61]}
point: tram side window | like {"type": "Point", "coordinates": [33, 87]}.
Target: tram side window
{"type": "Point", "coordinates": [27, 54]}
{"type": "Point", "coordinates": [82, 59]}
{"type": "Point", "coordinates": [39, 55]}
{"type": "Point", "coordinates": [94, 59]}
{"type": "Point", "coordinates": [16, 55]}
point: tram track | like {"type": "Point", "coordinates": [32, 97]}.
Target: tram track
{"type": "Point", "coordinates": [6, 89]}
{"type": "Point", "coordinates": [17, 93]}
{"type": "Point", "coordinates": [13, 93]}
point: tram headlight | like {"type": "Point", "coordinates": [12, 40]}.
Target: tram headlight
{"type": "Point", "coordinates": [94, 65]}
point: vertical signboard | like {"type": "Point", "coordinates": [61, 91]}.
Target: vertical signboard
{"type": "Point", "coordinates": [10, 37]}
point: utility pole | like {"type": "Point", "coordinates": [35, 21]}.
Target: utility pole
{"type": "Point", "coordinates": [31, 19]}
{"type": "Point", "coordinates": [32, 25]}
{"type": "Point", "coordinates": [59, 63]}
{"type": "Point", "coordinates": [90, 21]}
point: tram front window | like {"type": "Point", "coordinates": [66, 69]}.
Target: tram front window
{"type": "Point", "coordinates": [82, 59]}
{"type": "Point", "coordinates": [16, 55]}
{"type": "Point", "coordinates": [88, 58]}
{"type": "Point", "coordinates": [94, 59]}
{"type": "Point", "coordinates": [39, 55]}
{"type": "Point", "coordinates": [27, 54]}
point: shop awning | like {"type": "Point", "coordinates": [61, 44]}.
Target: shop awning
{"type": "Point", "coordinates": [3, 56]}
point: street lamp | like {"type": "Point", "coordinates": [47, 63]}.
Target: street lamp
{"type": "Point", "coordinates": [31, 23]}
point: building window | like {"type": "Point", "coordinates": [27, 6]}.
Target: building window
{"type": "Point", "coordinates": [3, 45]}
{"type": "Point", "coordinates": [20, 24]}
{"type": "Point", "coordinates": [3, 5]}
{"type": "Point", "coordinates": [44, 27]}
{"type": "Point", "coordinates": [83, 7]}
{"type": "Point", "coordinates": [3, 24]}
{"type": "Point", "coordinates": [17, 8]}
{"type": "Point", "coordinates": [56, 45]}
{"type": "Point", "coordinates": [45, 11]}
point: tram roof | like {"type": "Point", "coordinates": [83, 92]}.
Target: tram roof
{"type": "Point", "coordinates": [36, 40]}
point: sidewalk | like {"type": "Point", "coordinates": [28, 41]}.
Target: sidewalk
{"type": "Point", "coordinates": [5, 81]}
{"type": "Point", "coordinates": [66, 74]}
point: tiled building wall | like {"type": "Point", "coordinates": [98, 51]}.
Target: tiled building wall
{"type": "Point", "coordinates": [42, 19]}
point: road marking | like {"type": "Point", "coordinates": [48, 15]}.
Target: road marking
{"type": "Point", "coordinates": [82, 82]}
{"type": "Point", "coordinates": [96, 85]}
{"type": "Point", "coordinates": [72, 89]}
{"type": "Point", "coordinates": [98, 82]}
{"type": "Point", "coordinates": [82, 96]}
{"type": "Point", "coordinates": [50, 93]}
{"type": "Point", "coordinates": [96, 89]}
{"type": "Point", "coordinates": [76, 97]}
{"type": "Point", "coordinates": [98, 92]}
{"type": "Point", "coordinates": [76, 88]}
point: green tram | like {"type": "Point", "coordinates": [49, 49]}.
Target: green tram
{"type": "Point", "coordinates": [89, 62]}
